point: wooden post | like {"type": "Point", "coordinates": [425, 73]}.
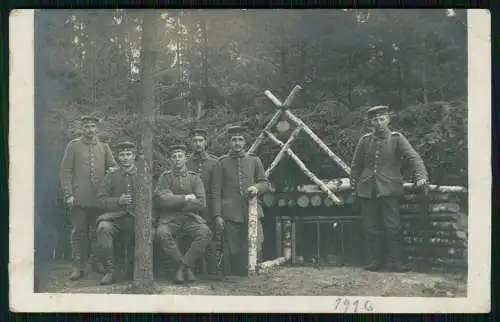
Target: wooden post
{"type": "Point", "coordinates": [253, 220]}
{"type": "Point", "coordinates": [287, 249]}
{"type": "Point", "coordinates": [143, 265]}
{"type": "Point", "coordinates": [293, 241]}
{"type": "Point", "coordinates": [306, 171]}
{"type": "Point", "coordinates": [279, 237]}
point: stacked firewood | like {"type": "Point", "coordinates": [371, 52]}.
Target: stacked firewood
{"type": "Point", "coordinates": [434, 226]}
{"type": "Point", "coordinates": [438, 239]}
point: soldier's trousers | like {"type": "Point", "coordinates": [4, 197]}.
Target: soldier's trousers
{"type": "Point", "coordinates": [171, 231]}
{"type": "Point", "coordinates": [235, 245]}
{"type": "Point", "coordinates": [110, 232]}
{"type": "Point", "coordinates": [83, 235]}
{"type": "Point", "coordinates": [381, 221]}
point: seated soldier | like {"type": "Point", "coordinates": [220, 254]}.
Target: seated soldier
{"type": "Point", "coordinates": [116, 197]}
{"type": "Point", "coordinates": [179, 199]}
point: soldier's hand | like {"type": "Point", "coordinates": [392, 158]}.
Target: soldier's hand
{"type": "Point", "coordinates": [219, 223]}
{"type": "Point", "coordinates": [125, 199]}
{"type": "Point", "coordinates": [70, 201]}
{"type": "Point", "coordinates": [190, 197]}
{"type": "Point", "coordinates": [421, 183]}
{"type": "Point", "coordinates": [252, 191]}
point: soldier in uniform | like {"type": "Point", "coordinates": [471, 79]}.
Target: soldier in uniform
{"type": "Point", "coordinates": [117, 197]}
{"type": "Point", "coordinates": [377, 181]}
{"type": "Point", "coordinates": [237, 177]}
{"type": "Point", "coordinates": [179, 198]}
{"type": "Point", "coordinates": [203, 163]}
{"type": "Point", "coordinates": [83, 167]}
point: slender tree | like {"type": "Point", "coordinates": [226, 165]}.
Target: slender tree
{"type": "Point", "coordinates": [143, 265]}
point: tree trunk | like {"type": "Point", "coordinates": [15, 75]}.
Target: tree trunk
{"type": "Point", "coordinates": [143, 265]}
{"type": "Point", "coordinates": [206, 90]}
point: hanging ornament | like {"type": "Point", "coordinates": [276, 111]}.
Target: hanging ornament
{"type": "Point", "coordinates": [282, 126]}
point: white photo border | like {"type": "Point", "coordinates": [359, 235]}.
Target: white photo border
{"type": "Point", "coordinates": [21, 195]}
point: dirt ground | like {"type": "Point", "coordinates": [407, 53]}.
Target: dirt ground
{"type": "Point", "coordinates": [288, 281]}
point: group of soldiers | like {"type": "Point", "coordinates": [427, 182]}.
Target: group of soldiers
{"type": "Point", "coordinates": [203, 195]}
{"type": "Point", "coordinates": [200, 195]}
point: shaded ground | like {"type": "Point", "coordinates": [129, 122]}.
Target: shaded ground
{"type": "Point", "coordinates": [332, 281]}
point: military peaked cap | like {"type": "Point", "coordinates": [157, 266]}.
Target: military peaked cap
{"type": "Point", "coordinates": [126, 145]}
{"type": "Point", "coordinates": [236, 130]}
{"type": "Point", "coordinates": [178, 147]}
{"type": "Point", "coordinates": [378, 110]}
{"type": "Point", "coordinates": [90, 118]}
{"type": "Point", "coordinates": [198, 131]}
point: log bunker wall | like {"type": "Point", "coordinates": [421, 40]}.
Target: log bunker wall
{"type": "Point", "coordinates": [436, 239]}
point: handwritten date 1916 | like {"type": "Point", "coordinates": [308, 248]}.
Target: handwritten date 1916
{"type": "Point", "coordinates": [347, 305]}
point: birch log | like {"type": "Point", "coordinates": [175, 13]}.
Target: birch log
{"type": "Point", "coordinates": [287, 249]}
{"type": "Point", "coordinates": [305, 170]}
{"type": "Point", "coordinates": [318, 141]}
{"type": "Point", "coordinates": [291, 96]}
{"type": "Point", "coordinates": [262, 135]}
{"type": "Point", "coordinates": [279, 237]}
{"type": "Point", "coordinates": [253, 218]}
{"type": "Point", "coordinates": [271, 264]}
{"type": "Point", "coordinates": [282, 152]}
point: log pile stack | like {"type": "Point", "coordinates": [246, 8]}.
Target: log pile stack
{"type": "Point", "coordinates": [435, 231]}
{"type": "Point", "coordinates": [438, 240]}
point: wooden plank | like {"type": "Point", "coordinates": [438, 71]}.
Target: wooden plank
{"type": "Point", "coordinates": [305, 170]}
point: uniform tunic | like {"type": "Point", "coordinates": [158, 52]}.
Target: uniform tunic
{"type": "Point", "coordinates": [376, 176]}
{"type": "Point", "coordinates": [117, 223]}
{"type": "Point", "coordinates": [377, 161]}
{"type": "Point", "coordinates": [177, 217]}
{"type": "Point", "coordinates": [203, 165]}
{"type": "Point", "coordinates": [83, 167]}
{"type": "Point", "coordinates": [233, 175]}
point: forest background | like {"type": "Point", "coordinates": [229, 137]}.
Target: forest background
{"type": "Point", "coordinates": [212, 67]}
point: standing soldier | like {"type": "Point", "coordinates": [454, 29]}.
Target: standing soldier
{"type": "Point", "coordinates": [83, 167]}
{"type": "Point", "coordinates": [377, 180]}
{"type": "Point", "coordinates": [237, 178]}
{"type": "Point", "coordinates": [203, 164]}
{"type": "Point", "coordinates": [117, 198]}
{"type": "Point", "coordinates": [179, 198]}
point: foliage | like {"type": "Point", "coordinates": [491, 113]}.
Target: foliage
{"type": "Point", "coordinates": [212, 68]}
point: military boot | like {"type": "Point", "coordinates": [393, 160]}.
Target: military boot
{"type": "Point", "coordinates": [76, 274]}
{"type": "Point", "coordinates": [179, 275]}
{"type": "Point", "coordinates": [394, 262]}
{"type": "Point", "coordinates": [107, 278]}
{"type": "Point", "coordinates": [374, 254]}
{"type": "Point", "coordinates": [98, 267]}
{"type": "Point", "coordinates": [190, 277]}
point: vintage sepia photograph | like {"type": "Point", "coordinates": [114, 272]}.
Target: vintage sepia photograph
{"type": "Point", "coordinates": [225, 160]}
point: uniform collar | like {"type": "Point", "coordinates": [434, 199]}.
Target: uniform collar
{"type": "Point", "coordinates": [130, 171]}
{"type": "Point", "coordinates": [382, 135]}
{"type": "Point", "coordinates": [237, 155]}
{"type": "Point", "coordinates": [92, 141]}
{"type": "Point", "coordinates": [200, 156]}
{"type": "Point", "coordinates": [180, 172]}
